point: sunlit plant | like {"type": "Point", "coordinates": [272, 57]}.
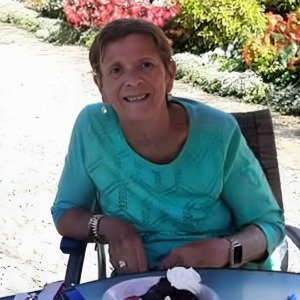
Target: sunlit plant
{"type": "Point", "coordinates": [276, 56]}
{"type": "Point", "coordinates": [96, 13]}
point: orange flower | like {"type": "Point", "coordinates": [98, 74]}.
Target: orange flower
{"type": "Point", "coordinates": [266, 39]}
{"type": "Point", "coordinates": [293, 62]}
{"type": "Point", "coordinates": [246, 57]}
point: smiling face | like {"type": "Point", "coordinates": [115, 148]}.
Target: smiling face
{"type": "Point", "coordinates": [133, 78]}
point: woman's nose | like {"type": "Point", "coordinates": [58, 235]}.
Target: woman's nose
{"type": "Point", "coordinates": [133, 78]}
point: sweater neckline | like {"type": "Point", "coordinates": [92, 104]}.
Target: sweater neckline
{"type": "Point", "coordinates": [122, 142]}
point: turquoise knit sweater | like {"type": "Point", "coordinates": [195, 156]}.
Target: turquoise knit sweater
{"type": "Point", "coordinates": [214, 187]}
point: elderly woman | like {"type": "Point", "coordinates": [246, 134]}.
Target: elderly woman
{"type": "Point", "coordinates": [177, 183]}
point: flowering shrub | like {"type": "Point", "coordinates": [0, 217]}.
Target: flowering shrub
{"type": "Point", "coordinates": [52, 9]}
{"type": "Point", "coordinates": [276, 56]}
{"type": "Point", "coordinates": [204, 72]}
{"type": "Point", "coordinates": [203, 25]}
{"type": "Point", "coordinates": [96, 13]}
{"type": "Point", "coordinates": [33, 4]}
{"type": "Point", "coordinates": [280, 6]}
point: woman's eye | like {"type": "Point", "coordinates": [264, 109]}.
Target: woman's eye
{"type": "Point", "coordinates": [115, 70]}
{"type": "Point", "coordinates": [147, 65]}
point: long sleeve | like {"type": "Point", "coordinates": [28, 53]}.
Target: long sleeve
{"type": "Point", "coordinates": [248, 195]}
{"type": "Point", "coordinates": [75, 189]}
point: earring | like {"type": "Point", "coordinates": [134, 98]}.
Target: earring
{"type": "Point", "coordinates": [103, 109]}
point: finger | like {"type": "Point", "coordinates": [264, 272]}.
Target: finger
{"type": "Point", "coordinates": [125, 259]}
{"type": "Point", "coordinates": [168, 262]}
{"type": "Point", "coordinates": [137, 261]}
{"type": "Point", "coordinates": [122, 267]}
{"type": "Point", "coordinates": [142, 263]}
{"type": "Point", "coordinates": [135, 254]}
{"type": "Point", "coordinates": [115, 256]}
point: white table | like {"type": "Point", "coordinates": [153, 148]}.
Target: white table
{"type": "Point", "coordinates": [229, 284]}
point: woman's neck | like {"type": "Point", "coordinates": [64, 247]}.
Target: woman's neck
{"type": "Point", "coordinates": [159, 140]}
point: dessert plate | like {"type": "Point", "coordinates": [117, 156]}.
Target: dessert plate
{"type": "Point", "coordinates": [139, 286]}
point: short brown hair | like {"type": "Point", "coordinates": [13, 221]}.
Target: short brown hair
{"type": "Point", "coordinates": [121, 28]}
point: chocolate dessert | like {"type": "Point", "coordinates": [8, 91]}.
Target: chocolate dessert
{"type": "Point", "coordinates": [179, 284]}
{"type": "Point", "coordinates": [164, 288]}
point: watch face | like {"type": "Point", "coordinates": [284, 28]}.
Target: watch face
{"type": "Point", "coordinates": [237, 254]}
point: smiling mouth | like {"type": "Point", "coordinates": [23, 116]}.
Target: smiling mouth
{"type": "Point", "coordinates": [136, 98]}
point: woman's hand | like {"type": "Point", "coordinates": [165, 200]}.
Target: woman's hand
{"type": "Point", "coordinates": [126, 249]}
{"type": "Point", "coordinates": [208, 253]}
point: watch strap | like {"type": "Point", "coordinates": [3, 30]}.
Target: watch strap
{"type": "Point", "coordinates": [235, 252]}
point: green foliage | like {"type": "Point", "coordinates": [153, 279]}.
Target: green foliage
{"type": "Point", "coordinates": [280, 6]}
{"type": "Point", "coordinates": [35, 5]}
{"type": "Point", "coordinates": [52, 9]}
{"type": "Point", "coordinates": [276, 56]}
{"type": "Point", "coordinates": [189, 66]}
{"type": "Point", "coordinates": [231, 64]}
{"type": "Point", "coordinates": [264, 59]}
{"type": "Point", "coordinates": [50, 30]}
{"type": "Point", "coordinates": [20, 19]}
{"type": "Point", "coordinates": [47, 8]}
{"type": "Point", "coordinates": [59, 33]}
{"type": "Point", "coordinates": [204, 70]}
{"type": "Point", "coordinates": [287, 100]}
{"type": "Point", "coordinates": [204, 25]}
{"type": "Point", "coordinates": [231, 59]}
{"type": "Point", "coordinates": [87, 37]}
{"type": "Point", "coordinates": [199, 71]}
{"type": "Point", "coordinates": [247, 85]}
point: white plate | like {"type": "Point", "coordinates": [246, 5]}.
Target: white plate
{"type": "Point", "coordinates": [139, 286]}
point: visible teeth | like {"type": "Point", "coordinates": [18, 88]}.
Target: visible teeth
{"type": "Point", "coordinates": [135, 98]}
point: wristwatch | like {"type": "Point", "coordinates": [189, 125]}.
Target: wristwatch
{"type": "Point", "coordinates": [235, 252]}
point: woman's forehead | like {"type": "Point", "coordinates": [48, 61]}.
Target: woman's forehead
{"type": "Point", "coordinates": [130, 46]}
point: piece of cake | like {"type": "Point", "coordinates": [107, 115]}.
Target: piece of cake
{"type": "Point", "coordinates": [179, 284]}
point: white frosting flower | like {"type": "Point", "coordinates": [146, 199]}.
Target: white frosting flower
{"type": "Point", "coordinates": [185, 279]}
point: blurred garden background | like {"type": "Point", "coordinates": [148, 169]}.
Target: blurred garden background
{"type": "Point", "coordinates": [246, 49]}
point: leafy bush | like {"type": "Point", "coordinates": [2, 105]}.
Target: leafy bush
{"type": "Point", "coordinates": [287, 101]}
{"type": "Point", "coordinates": [27, 21]}
{"type": "Point", "coordinates": [47, 8]}
{"type": "Point", "coordinates": [230, 59]}
{"type": "Point", "coordinates": [280, 6]}
{"type": "Point", "coordinates": [203, 70]}
{"type": "Point", "coordinates": [207, 24]}
{"type": "Point", "coordinates": [231, 64]}
{"type": "Point", "coordinates": [52, 9]}
{"type": "Point", "coordinates": [263, 58]}
{"type": "Point", "coordinates": [59, 33]}
{"type": "Point", "coordinates": [87, 37]}
{"type": "Point", "coordinates": [276, 57]}
{"type": "Point", "coordinates": [205, 73]}
{"type": "Point", "coordinates": [34, 4]}
{"type": "Point", "coordinates": [96, 13]}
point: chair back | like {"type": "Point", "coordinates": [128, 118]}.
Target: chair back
{"type": "Point", "coordinates": [257, 128]}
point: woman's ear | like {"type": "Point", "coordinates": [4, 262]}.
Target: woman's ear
{"type": "Point", "coordinates": [96, 79]}
{"type": "Point", "coordinates": [170, 76]}
{"type": "Point", "coordinates": [98, 83]}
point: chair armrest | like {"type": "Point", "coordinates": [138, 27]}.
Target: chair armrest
{"type": "Point", "coordinates": [76, 250]}
{"type": "Point", "coordinates": [72, 246]}
{"type": "Point", "coordinates": [294, 234]}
